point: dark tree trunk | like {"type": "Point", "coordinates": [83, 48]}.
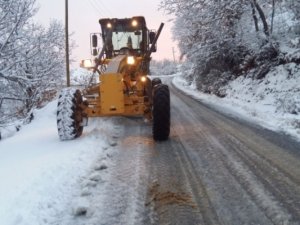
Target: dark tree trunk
{"type": "Point", "coordinates": [273, 14]}
{"type": "Point", "coordinates": [262, 17]}
{"type": "Point", "coordinates": [254, 17]}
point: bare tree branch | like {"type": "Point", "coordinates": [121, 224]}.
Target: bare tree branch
{"type": "Point", "coordinates": [262, 17]}
{"type": "Point", "coordinates": [273, 14]}
{"type": "Point", "coordinates": [254, 17]}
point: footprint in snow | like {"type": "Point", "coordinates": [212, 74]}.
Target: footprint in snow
{"type": "Point", "coordinates": [90, 183]}
{"type": "Point", "coordinates": [86, 191]}
{"type": "Point", "coordinates": [112, 143]}
{"type": "Point", "coordinates": [101, 167]}
{"type": "Point", "coordinates": [80, 207]}
{"type": "Point", "coordinates": [95, 177]}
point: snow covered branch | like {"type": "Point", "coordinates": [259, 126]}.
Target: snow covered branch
{"type": "Point", "coordinates": [219, 41]}
{"type": "Point", "coordinates": [31, 58]}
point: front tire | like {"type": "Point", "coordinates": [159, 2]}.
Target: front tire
{"type": "Point", "coordinates": [69, 114]}
{"type": "Point", "coordinates": [161, 112]}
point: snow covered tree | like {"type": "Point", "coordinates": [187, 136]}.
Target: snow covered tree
{"type": "Point", "coordinates": [206, 31]}
{"type": "Point", "coordinates": [163, 67]}
{"type": "Point", "coordinates": [223, 39]}
{"type": "Point", "coordinates": [15, 14]}
{"type": "Point", "coordinates": [44, 62]}
{"type": "Point", "coordinates": [31, 59]}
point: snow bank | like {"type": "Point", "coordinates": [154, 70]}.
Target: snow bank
{"type": "Point", "coordinates": [40, 175]}
{"type": "Point", "coordinates": [273, 102]}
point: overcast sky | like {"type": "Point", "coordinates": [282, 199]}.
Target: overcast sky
{"type": "Point", "coordinates": [84, 16]}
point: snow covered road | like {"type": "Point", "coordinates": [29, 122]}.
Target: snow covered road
{"type": "Point", "coordinates": [246, 174]}
{"type": "Point", "coordinates": [213, 170]}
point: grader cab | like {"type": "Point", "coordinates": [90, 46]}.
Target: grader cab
{"type": "Point", "coordinates": [124, 87]}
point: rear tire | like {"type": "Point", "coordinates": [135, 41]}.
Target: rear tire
{"type": "Point", "coordinates": [69, 114]}
{"type": "Point", "coordinates": [161, 112]}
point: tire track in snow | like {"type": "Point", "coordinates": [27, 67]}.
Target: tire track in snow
{"type": "Point", "coordinates": [254, 185]}
{"type": "Point", "coordinates": [120, 199]}
{"type": "Point", "coordinates": [227, 203]}
{"type": "Point", "coordinates": [275, 169]}
{"type": "Point", "coordinates": [284, 189]}
{"type": "Point", "coordinates": [217, 164]}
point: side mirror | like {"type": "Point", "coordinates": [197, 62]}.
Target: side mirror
{"type": "Point", "coordinates": [94, 52]}
{"type": "Point", "coordinates": [154, 48]}
{"type": "Point", "coordinates": [151, 36]}
{"type": "Point", "coordinates": [94, 44]}
{"type": "Point", "coordinates": [94, 41]}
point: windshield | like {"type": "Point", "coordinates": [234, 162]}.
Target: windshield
{"type": "Point", "coordinates": [130, 40]}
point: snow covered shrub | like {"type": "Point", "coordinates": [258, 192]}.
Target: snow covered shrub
{"type": "Point", "coordinates": [293, 56]}
{"type": "Point", "coordinates": [289, 104]}
{"type": "Point", "coordinates": [296, 123]}
{"type": "Point", "coordinates": [188, 71]}
{"type": "Point", "coordinates": [213, 82]}
{"type": "Point", "coordinates": [267, 53]}
{"type": "Point", "coordinates": [295, 42]}
{"type": "Point", "coordinates": [83, 77]}
{"type": "Point", "coordinates": [282, 84]}
{"type": "Point", "coordinates": [289, 99]}
{"type": "Point", "coordinates": [164, 67]}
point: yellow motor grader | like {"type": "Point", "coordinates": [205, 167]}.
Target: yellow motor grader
{"type": "Point", "coordinates": [124, 87]}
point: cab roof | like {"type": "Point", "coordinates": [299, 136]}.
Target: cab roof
{"type": "Point", "coordinates": [124, 24]}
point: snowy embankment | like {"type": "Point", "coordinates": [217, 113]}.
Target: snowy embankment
{"type": "Point", "coordinates": [273, 102]}
{"type": "Point", "coordinates": [41, 177]}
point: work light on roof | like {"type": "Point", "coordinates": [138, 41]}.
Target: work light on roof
{"type": "Point", "coordinates": [134, 23]}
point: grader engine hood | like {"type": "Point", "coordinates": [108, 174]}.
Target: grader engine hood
{"type": "Point", "coordinates": [111, 88]}
{"type": "Point", "coordinates": [115, 64]}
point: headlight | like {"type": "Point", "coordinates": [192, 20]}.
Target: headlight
{"type": "Point", "coordinates": [87, 63]}
{"type": "Point", "coordinates": [130, 60]}
{"type": "Point", "coordinates": [143, 79]}
{"type": "Point", "coordinates": [108, 25]}
{"type": "Point", "coordinates": [134, 23]}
